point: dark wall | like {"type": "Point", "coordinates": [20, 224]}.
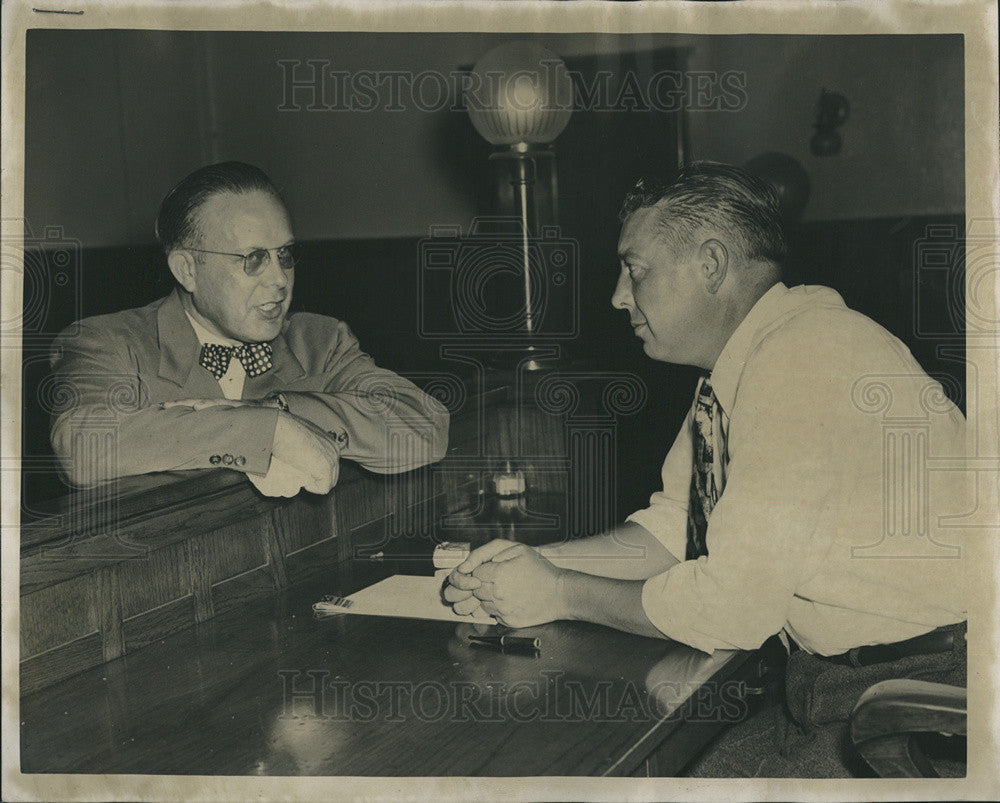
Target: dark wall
{"type": "Point", "coordinates": [903, 142]}
{"type": "Point", "coordinates": [114, 118]}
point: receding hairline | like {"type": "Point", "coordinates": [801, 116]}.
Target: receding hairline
{"type": "Point", "coordinates": [679, 235]}
{"type": "Point", "coordinates": [196, 213]}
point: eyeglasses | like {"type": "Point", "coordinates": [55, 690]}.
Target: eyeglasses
{"type": "Point", "coordinates": [288, 257]}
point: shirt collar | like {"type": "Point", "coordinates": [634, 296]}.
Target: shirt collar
{"type": "Point", "coordinates": [729, 365]}
{"type": "Point", "coordinates": [204, 336]}
{"type": "Point", "coordinates": [775, 306]}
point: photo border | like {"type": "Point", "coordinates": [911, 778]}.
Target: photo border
{"type": "Point", "coordinates": [977, 21]}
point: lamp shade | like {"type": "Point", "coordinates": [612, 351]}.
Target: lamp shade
{"type": "Point", "coordinates": [520, 94]}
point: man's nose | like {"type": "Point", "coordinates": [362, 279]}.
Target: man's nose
{"type": "Point", "coordinates": [622, 297]}
{"type": "Point", "coordinates": [274, 273]}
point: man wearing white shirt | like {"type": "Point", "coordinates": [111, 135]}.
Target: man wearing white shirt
{"type": "Point", "coordinates": [220, 374]}
{"type": "Point", "coordinates": [773, 492]}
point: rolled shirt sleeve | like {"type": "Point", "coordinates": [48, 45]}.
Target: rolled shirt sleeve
{"type": "Point", "coordinates": [666, 516]}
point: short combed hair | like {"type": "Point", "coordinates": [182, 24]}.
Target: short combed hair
{"type": "Point", "coordinates": [720, 196]}
{"type": "Point", "coordinates": [177, 222]}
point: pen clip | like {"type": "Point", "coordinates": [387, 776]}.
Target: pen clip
{"type": "Point", "coordinates": [341, 602]}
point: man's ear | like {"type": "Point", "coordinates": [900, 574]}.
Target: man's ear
{"type": "Point", "coordinates": [715, 264]}
{"type": "Point", "coordinates": [181, 264]}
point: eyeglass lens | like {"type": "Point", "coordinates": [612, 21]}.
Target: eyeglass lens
{"type": "Point", "coordinates": [256, 260]}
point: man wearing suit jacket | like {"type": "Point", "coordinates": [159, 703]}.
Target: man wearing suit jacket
{"type": "Point", "coordinates": [219, 374]}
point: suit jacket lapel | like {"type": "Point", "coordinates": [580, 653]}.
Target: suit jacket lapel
{"type": "Point", "coordinates": [179, 351]}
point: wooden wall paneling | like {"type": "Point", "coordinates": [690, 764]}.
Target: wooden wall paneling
{"type": "Point", "coordinates": [53, 665]}
{"type": "Point", "coordinates": [107, 602]}
{"type": "Point", "coordinates": [368, 538]}
{"type": "Point", "coordinates": [362, 502]}
{"type": "Point", "coordinates": [135, 536]}
{"type": "Point", "coordinates": [201, 580]}
{"type": "Point", "coordinates": [412, 511]}
{"type": "Point", "coordinates": [464, 434]}
{"type": "Point", "coordinates": [533, 440]}
{"type": "Point", "coordinates": [467, 429]}
{"type": "Point", "coordinates": [342, 539]}
{"type": "Point", "coordinates": [195, 503]}
{"type": "Point", "coordinates": [320, 558]}
{"type": "Point", "coordinates": [307, 533]}
{"type": "Point", "coordinates": [273, 551]}
{"type": "Point", "coordinates": [456, 488]}
{"type": "Point", "coordinates": [56, 615]}
{"type": "Point", "coordinates": [286, 534]}
{"type": "Point", "coordinates": [305, 521]}
{"type": "Point", "coordinates": [494, 427]}
{"type": "Point", "coordinates": [160, 577]}
{"type": "Point", "coordinates": [458, 478]}
{"type": "Point", "coordinates": [237, 591]}
{"type": "Point", "coordinates": [235, 549]}
{"type": "Point", "coordinates": [152, 625]}
{"type": "Point", "coordinates": [46, 568]}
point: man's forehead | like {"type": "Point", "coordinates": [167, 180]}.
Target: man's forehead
{"type": "Point", "coordinates": [247, 213]}
{"type": "Point", "coordinates": [226, 204]}
{"type": "Point", "coordinates": [637, 230]}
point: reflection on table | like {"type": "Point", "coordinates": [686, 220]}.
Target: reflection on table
{"type": "Point", "coordinates": [272, 690]}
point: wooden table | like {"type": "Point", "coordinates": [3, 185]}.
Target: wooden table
{"type": "Point", "coordinates": [169, 629]}
{"type": "Point", "coordinates": [272, 690]}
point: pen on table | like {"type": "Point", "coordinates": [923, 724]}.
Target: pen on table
{"type": "Point", "coordinates": [508, 643]}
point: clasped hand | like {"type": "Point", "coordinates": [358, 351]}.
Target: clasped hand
{"type": "Point", "coordinates": [510, 581]}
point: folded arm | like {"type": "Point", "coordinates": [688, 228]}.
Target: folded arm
{"type": "Point", "coordinates": [105, 426]}
{"type": "Point", "coordinates": [378, 418]}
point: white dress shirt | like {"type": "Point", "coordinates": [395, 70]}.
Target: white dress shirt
{"type": "Point", "coordinates": [844, 462]}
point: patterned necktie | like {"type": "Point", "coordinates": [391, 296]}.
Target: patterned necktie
{"type": "Point", "coordinates": [255, 357]}
{"type": "Point", "coordinates": [707, 474]}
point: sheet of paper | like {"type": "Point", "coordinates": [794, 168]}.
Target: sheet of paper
{"type": "Point", "coordinates": [406, 596]}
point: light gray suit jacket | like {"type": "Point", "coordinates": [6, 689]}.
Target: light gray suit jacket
{"type": "Point", "coordinates": [112, 372]}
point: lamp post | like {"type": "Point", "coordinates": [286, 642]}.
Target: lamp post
{"type": "Point", "coordinates": [519, 99]}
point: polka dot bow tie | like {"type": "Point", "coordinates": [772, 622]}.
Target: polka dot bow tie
{"type": "Point", "coordinates": [256, 358]}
